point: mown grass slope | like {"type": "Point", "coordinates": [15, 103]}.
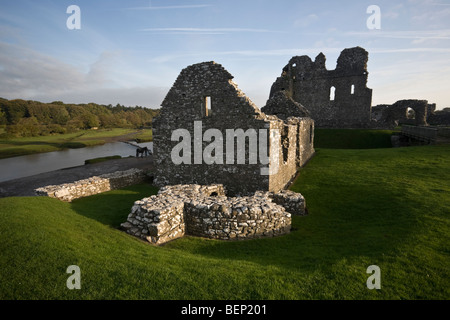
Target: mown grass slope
{"type": "Point", "coordinates": [384, 207]}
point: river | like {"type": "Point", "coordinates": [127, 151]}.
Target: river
{"type": "Point", "coordinates": [24, 166]}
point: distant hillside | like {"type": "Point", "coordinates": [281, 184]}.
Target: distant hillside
{"type": "Point", "coordinates": [32, 118]}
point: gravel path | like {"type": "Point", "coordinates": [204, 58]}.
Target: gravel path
{"type": "Point", "coordinates": [25, 186]}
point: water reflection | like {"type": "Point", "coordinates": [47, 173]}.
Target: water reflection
{"type": "Point", "coordinates": [24, 166]}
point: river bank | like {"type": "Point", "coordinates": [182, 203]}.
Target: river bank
{"type": "Point", "coordinates": [26, 186]}
{"type": "Point", "coordinates": [14, 147]}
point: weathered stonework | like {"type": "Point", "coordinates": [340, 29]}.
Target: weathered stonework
{"type": "Point", "coordinates": [390, 116]}
{"type": "Point", "coordinates": [93, 185]}
{"type": "Point", "coordinates": [310, 84]}
{"type": "Point", "coordinates": [206, 211]}
{"type": "Point", "coordinates": [282, 106]}
{"type": "Point", "coordinates": [440, 117]}
{"type": "Point", "coordinates": [204, 94]}
{"type": "Point", "coordinates": [293, 113]}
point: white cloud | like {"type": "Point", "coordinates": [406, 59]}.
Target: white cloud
{"type": "Point", "coordinates": [414, 34]}
{"type": "Point", "coordinates": [27, 74]}
{"type": "Point", "coordinates": [393, 12]}
{"type": "Point", "coordinates": [410, 50]}
{"type": "Point", "coordinates": [289, 52]}
{"type": "Point", "coordinates": [306, 21]}
{"type": "Point", "coordinates": [191, 6]}
{"type": "Point", "coordinates": [199, 31]}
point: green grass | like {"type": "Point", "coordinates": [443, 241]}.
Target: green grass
{"type": "Point", "coordinates": [352, 138]}
{"type": "Point", "coordinates": [145, 136]}
{"type": "Point", "coordinates": [101, 159]}
{"type": "Point", "coordinates": [385, 207]}
{"type": "Point", "coordinates": [29, 145]}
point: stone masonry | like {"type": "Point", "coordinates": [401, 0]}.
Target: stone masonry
{"type": "Point", "coordinates": [334, 98]}
{"type": "Point", "coordinates": [390, 116]}
{"type": "Point", "coordinates": [206, 211]}
{"type": "Point", "coordinates": [205, 99]}
{"type": "Point", "coordinates": [93, 185]}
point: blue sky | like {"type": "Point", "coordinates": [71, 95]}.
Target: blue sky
{"type": "Point", "coordinates": [131, 52]}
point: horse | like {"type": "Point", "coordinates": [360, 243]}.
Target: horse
{"type": "Point", "coordinates": [142, 151]}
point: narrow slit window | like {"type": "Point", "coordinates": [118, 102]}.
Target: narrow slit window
{"type": "Point", "coordinates": [208, 110]}
{"type": "Point", "coordinates": [332, 93]}
{"type": "Point", "coordinates": [352, 89]}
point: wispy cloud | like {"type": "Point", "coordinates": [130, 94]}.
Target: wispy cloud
{"type": "Point", "coordinates": [417, 35]}
{"type": "Point", "coordinates": [189, 6]}
{"type": "Point", "coordinates": [289, 52]}
{"type": "Point", "coordinates": [204, 30]}
{"type": "Point", "coordinates": [28, 74]}
{"type": "Point", "coordinates": [409, 50]}
{"type": "Point", "coordinates": [306, 21]}
{"type": "Point", "coordinates": [247, 53]}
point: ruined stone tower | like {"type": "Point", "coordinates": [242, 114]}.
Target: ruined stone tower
{"type": "Point", "coordinates": [205, 105]}
{"type": "Point", "coordinates": [335, 98]}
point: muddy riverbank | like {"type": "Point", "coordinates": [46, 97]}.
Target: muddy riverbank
{"type": "Point", "coordinates": [25, 186]}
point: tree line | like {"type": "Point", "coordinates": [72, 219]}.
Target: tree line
{"type": "Point", "coordinates": [24, 118]}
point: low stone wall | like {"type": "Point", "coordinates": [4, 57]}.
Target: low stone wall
{"type": "Point", "coordinates": [293, 202]}
{"type": "Point", "coordinates": [444, 132]}
{"type": "Point", "coordinates": [427, 134]}
{"type": "Point", "coordinates": [93, 185]}
{"type": "Point", "coordinates": [205, 211]}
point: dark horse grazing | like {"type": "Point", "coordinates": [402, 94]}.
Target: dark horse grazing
{"type": "Point", "coordinates": [142, 151]}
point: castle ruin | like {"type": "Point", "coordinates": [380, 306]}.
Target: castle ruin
{"type": "Point", "coordinates": [221, 163]}
{"type": "Point", "coordinates": [335, 98]}
{"type": "Point", "coordinates": [229, 139]}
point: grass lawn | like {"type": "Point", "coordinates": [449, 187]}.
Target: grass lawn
{"type": "Point", "coordinates": [384, 207]}
{"type": "Point", "coordinates": [29, 145]}
{"type": "Point", "coordinates": [146, 135]}
{"type": "Point", "coordinates": [352, 138]}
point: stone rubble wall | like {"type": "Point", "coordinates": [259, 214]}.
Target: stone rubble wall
{"type": "Point", "coordinates": [93, 185]}
{"type": "Point", "coordinates": [293, 202]}
{"type": "Point", "coordinates": [206, 211]}
{"type": "Point", "coordinates": [309, 83]}
{"type": "Point", "coordinates": [156, 219]}
{"type": "Point", "coordinates": [390, 116]}
{"type": "Point", "coordinates": [444, 132]}
{"type": "Point", "coordinates": [236, 218]}
{"type": "Point", "coordinates": [227, 111]}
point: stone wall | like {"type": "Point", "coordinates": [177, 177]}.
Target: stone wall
{"type": "Point", "coordinates": [419, 135]}
{"type": "Point", "coordinates": [440, 117]}
{"type": "Point", "coordinates": [426, 134]}
{"type": "Point", "coordinates": [310, 84]}
{"type": "Point", "coordinates": [294, 114]}
{"type": "Point", "coordinates": [390, 116]}
{"type": "Point", "coordinates": [444, 132]}
{"type": "Point", "coordinates": [206, 211]}
{"type": "Point", "coordinates": [205, 99]}
{"type": "Point", "coordinates": [93, 185]}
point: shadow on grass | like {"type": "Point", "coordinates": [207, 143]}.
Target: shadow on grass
{"type": "Point", "coordinates": [358, 209]}
{"type": "Point", "coordinates": [342, 229]}
{"type": "Point", "coordinates": [317, 240]}
{"type": "Point", "coordinates": [112, 208]}
{"type": "Point", "coordinates": [352, 138]}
